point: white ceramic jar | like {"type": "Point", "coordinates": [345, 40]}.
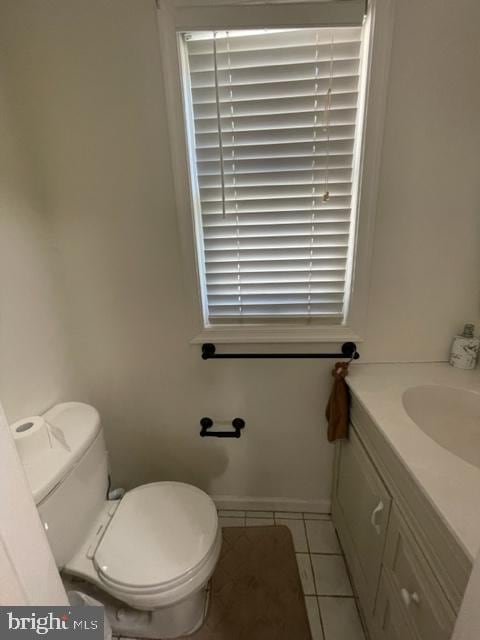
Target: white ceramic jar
{"type": "Point", "coordinates": [465, 349]}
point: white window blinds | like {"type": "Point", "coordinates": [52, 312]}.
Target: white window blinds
{"type": "Point", "coordinates": [273, 116]}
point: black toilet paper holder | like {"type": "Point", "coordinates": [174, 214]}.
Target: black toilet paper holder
{"type": "Point", "coordinates": [207, 423]}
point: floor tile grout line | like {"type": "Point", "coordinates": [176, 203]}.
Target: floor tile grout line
{"type": "Point", "coordinates": [354, 595]}
{"type": "Point", "coordinates": [347, 568]}
{"type": "Point", "coordinates": [314, 581]}
{"type": "Point", "coordinates": [302, 515]}
{"type": "Point", "coordinates": [354, 592]}
{"type": "Point", "coordinates": [316, 604]}
{"type": "Point", "coordinates": [310, 557]}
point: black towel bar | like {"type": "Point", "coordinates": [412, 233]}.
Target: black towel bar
{"type": "Point", "coordinates": [349, 350]}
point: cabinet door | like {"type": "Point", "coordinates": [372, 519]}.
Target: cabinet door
{"type": "Point", "coordinates": [420, 596]}
{"type": "Point", "coordinates": [390, 624]}
{"type": "Point", "coordinates": [361, 508]}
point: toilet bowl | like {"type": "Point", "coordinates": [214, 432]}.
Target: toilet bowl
{"type": "Point", "coordinates": [154, 550]}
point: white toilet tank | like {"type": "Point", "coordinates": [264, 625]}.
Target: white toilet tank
{"type": "Point", "coordinates": [65, 460]}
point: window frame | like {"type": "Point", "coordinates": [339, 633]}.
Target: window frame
{"type": "Point", "coordinates": [374, 78]}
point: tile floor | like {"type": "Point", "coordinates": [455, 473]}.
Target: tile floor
{"type": "Point", "coordinates": [329, 600]}
{"type": "Point", "coordinates": [331, 608]}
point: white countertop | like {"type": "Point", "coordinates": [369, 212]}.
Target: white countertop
{"type": "Point", "coordinates": [451, 484]}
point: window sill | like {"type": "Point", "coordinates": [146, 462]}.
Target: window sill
{"type": "Point", "coordinates": [230, 334]}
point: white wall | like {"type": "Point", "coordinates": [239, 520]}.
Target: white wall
{"type": "Point", "coordinates": [426, 268]}
{"type": "Point", "coordinates": [36, 368]}
{"type": "Point", "coordinates": [92, 73]}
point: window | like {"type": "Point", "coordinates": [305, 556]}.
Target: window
{"type": "Point", "coordinates": [274, 122]}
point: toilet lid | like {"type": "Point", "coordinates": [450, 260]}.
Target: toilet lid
{"type": "Point", "coordinates": [158, 533]}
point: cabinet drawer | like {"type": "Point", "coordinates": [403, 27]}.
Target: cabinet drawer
{"type": "Point", "coordinates": [424, 603]}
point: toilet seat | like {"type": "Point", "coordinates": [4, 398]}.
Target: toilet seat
{"type": "Point", "coordinates": [160, 544]}
{"type": "Point", "coordinates": [169, 526]}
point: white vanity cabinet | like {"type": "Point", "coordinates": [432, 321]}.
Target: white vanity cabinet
{"type": "Point", "coordinates": [408, 570]}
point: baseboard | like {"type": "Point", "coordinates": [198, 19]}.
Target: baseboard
{"type": "Point", "coordinates": [247, 503]}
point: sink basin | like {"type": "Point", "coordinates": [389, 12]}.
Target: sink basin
{"type": "Point", "coordinates": [449, 416]}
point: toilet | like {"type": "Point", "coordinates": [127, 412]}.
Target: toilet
{"type": "Point", "coordinates": [152, 552]}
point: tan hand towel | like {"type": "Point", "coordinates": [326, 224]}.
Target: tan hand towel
{"type": "Point", "coordinates": [338, 406]}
